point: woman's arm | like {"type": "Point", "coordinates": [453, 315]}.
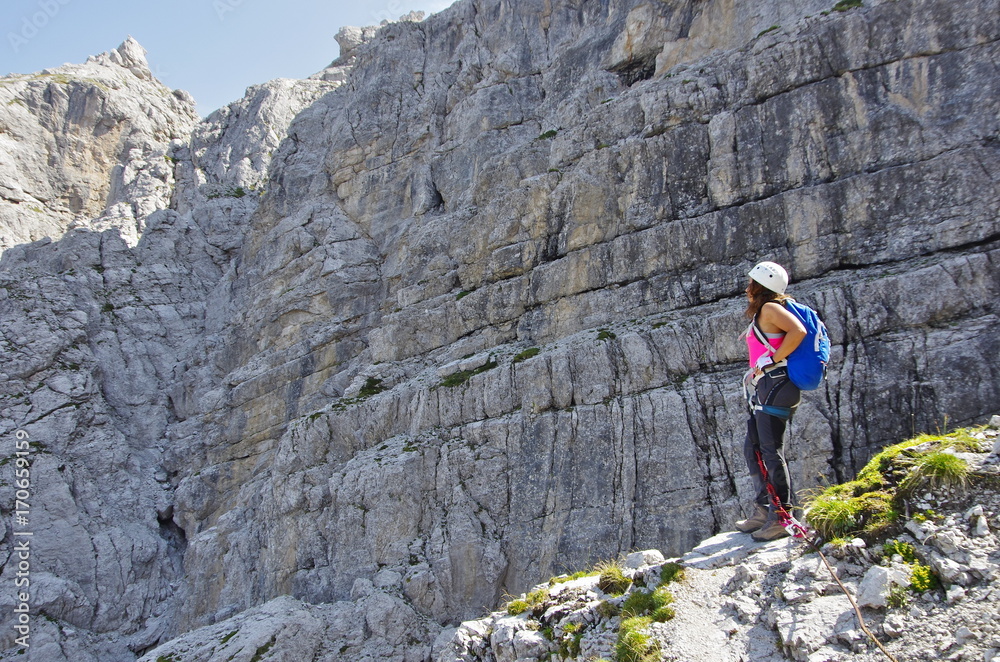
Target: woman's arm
{"type": "Point", "coordinates": [775, 318]}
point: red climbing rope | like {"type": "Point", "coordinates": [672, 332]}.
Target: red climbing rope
{"type": "Point", "coordinates": [798, 530]}
{"type": "Point", "coordinates": [795, 528]}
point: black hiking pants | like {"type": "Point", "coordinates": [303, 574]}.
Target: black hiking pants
{"type": "Point", "coordinates": [766, 435]}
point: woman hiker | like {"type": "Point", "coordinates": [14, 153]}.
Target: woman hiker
{"type": "Point", "coordinates": [772, 397]}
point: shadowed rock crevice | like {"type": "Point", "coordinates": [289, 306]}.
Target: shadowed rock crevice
{"type": "Point", "coordinates": [636, 71]}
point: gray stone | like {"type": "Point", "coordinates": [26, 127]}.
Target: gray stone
{"type": "Point", "coordinates": [637, 560]}
{"type": "Point", "coordinates": [503, 637]}
{"type": "Point", "coordinates": [877, 583]}
{"type": "Point", "coordinates": [893, 625]}
{"type": "Point", "coordinates": [947, 542]}
{"type": "Point", "coordinates": [530, 645]}
{"type": "Point", "coordinates": [306, 632]}
{"type": "Point", "coordinates": [828, 654]}
{"type": "Point", "coordinates": [964, 635]}
{"type": "Point", "coordinates": [805, 628]}
{"type": "Point", "coordinates": [717, 551]}
{"type": "Point", "coordinates": [954, 594]}
{"type": "Point", "coordinates": [981, 567]}
{"type": "Point", "coordinates": [921, 530]}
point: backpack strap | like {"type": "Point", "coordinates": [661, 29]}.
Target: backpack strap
{"type": "Point", "coordinates": [755, 326]}
{"type": "Point", "coordinates": [761, 337]}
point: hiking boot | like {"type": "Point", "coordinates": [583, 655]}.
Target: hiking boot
{"type": "Point", "coordinates": [772, 530]}
{"type": "Point", "coordinates": [753, 522]}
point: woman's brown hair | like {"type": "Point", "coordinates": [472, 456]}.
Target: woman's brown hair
{"type": "Point", "coordinates": [759, 295]}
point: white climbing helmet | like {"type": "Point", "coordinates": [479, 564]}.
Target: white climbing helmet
{"type": "Point", "coordinates": [771, 275]}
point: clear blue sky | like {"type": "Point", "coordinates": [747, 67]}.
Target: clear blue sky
{"type": "Point", "coordinates": [214, 49]}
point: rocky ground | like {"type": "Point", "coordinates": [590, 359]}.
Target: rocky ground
{"type": "Point", "coordinates": [740, 600]}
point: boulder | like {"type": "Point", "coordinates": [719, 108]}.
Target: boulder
{"type": "Point", "coordinates": [878, 581]}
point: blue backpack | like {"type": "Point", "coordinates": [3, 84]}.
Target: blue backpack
{"type": "Point", "coordinates": [807, 364]}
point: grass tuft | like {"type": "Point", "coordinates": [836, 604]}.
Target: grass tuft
{"type": "Point", "coordinates": [904, 549]}
{"type": "Point", "coordinates": [607, 609]}
{"type": "Point", "coordinates": [898, 597]}
{"type": "Point", "coordinates": [671, 572]}
{"type": "Point", "coordinates": [526, 354]}
{"type": "Point", "coordinates": [372, 386]}
{"type": "Point", "coordinates": [923, 578]}
{"type": "Point", "coordinates": [517, 607]}
{"type": "Point", "coordinates": [262, 651]}
{"type": "Point", "coordinates": [612, 580]}
{"type": "Point", "coordinates": [633, 644]}
{"type": "Point", "coordinates": [872, 504]}
{"type": "Point", "coordinates": [530, 601]}
{"type": "Point", "coordinates": [844, 5]}
{"type": "Point", "coordinates": [570, 642]}
{"type": "Point", "coordinates": [832, 516]}
{"type": "Point", "coordinates": [934, 470]}
{"type": "Point", "coordinates": [537, 597]}
{"type": "Point", "coordinates": [462, 376]}
{"type": "Point", "coordinates": [655, 604]}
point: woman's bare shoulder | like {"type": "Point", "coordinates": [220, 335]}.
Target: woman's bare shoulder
{"type": "Point", "coordinates": [771, 308]}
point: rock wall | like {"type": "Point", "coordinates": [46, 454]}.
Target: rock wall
{"type": "Point", "coordinates": [468, 310]}
{"type": "Point", "coordinates": [96, 333]}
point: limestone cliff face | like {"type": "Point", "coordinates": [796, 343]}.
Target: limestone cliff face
{"type": "Point", "coordinates": [312, 370]}
{"type": "Point", "coordinates": [87, 146]}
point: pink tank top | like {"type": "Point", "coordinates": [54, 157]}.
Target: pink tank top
{"type": "Point", "coordinates": [756, 348]}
